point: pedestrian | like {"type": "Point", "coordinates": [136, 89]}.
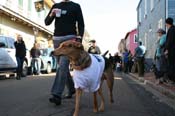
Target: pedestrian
{"type": "Point", "coordinates": [93, 49]}
{"type": "Point", "coordinates": [20, 55]}
{"type": "Point", "coordinates": [69, 24]}
{"type": "Point", "coordinates": [130, 61]}
{"type": "Point", "coordinates": [140, 58]}
{"type": "Point", "coordinates": [126, 61]}
{"type": "Point", "coordinates": [36, 61]}
{"type": "Point", "coordinates": [170, 47]}
{"type": "Point", "coordinates": [160, 59]}
{"type": "Point", "coordinates": [117, 61]}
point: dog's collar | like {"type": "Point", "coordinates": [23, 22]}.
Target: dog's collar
{"type": "Point", "coordinates": [83, 62]}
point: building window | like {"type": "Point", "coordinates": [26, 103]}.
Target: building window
{"type": "Point", "coordinates": [29, 5]}
{"type": "Point", "coordinates": [20, 2]}
{"type": "Point", "coordinates": [146, 37]}
{"type": "Point", "coordinates": [140, 15]}
{"type": "Point", "coordinates": [160, 23]}
{"type": "Point", "coordinates": [152, 4]}
{"type": "Point", "coordinates": [135, 38]}
{"type": "Point", "coordinates": [145, 9]}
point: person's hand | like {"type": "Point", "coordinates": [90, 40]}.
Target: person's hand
{"type": "Point", "coordinates": [166, 53]}
{"type": "Point", "coordinates": [53, 12]}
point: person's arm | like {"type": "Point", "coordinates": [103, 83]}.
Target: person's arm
{"type": "Point", "coordinates": [50, 17]}
{"type": "Point", "coordinates": [80, 21]}
{"type": "Point", "coordinates": [162, 41]}
{"type": "Point", "coordinates": [31, 52]}
{"type": "Point", "coordinates": [169, 39]}
{"type": "Point", "coordinates": [15, 44]}
{"type": "Point", "coordinates": [24, 48]}
{"type": "Point", "coordinates": [39, 52]}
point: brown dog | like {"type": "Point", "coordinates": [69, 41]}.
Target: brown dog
{"type": "Point", "coordinates": [89, 72]}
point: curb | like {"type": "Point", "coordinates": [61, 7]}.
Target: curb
{"type": "Point", "coordinates": [159, 88]}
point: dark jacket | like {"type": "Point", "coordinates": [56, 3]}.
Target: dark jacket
{"type": "Point", "coordinates": [35, 53]}
{"type": "Point", "coordinates": [170, 39]}
{"type": "Point", "coordinates": [66, 24]}
{"type": "Point", "coordinates": [20, 49]}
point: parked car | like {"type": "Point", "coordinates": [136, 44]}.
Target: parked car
{"type": "Point", "coordinates": [48, 61]}
{"type": "Point", "coordinates": [8, 63]}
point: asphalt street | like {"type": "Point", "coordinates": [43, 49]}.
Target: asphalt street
{"type": "Point", "coordinates": [29, 97]}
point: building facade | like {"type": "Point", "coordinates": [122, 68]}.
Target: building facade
{"type": "Point", "coordinates": [21, 17]}
{"type": "Point", "coordinates": [131, 41]}
{"type": "Point", "coordinates": [151, 15]}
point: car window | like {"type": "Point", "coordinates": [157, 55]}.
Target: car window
{"type": "Point", "coordinates": [3, 41]}
{"type": "Point", "coordinates": [11, 42]}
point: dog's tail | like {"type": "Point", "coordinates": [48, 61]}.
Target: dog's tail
{"type": "Point", "coordinates": [105, 53]}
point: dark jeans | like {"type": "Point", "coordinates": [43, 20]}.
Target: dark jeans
{"type": "Point", "coordinates": [126, 67]}
{"type": "Point", "coordinates": [36, 65]}
{"type": "Point", "coordinates": [20, 61]}
{"type": "Point", "coordinates": [63, 78]}
{"type": "Point", "coordinates": [140, 65]}
{"type": "Point", "coordinates": [171, 65]}
{"type": "Point", "coordinates": [161, 66]}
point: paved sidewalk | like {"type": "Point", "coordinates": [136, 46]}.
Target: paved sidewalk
{"type": "Point", "coordinates": [149, 79]}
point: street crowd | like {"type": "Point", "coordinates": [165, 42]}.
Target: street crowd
{"type": "Point", "coordinates": [68, 16]}
{"type": "Point", "coordinates": [163, 65]}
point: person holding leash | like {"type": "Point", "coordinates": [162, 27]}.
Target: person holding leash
{"type": "Point", "coordinates": [68, 20]}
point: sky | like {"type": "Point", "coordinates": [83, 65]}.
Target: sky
{"type": "Point", "coordinates": [108, 21]}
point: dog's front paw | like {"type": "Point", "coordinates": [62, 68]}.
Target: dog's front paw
{"type": "Point", "coordinates": [95, 110]}
{"type": "Point", "coordinates": [75, 114]}
{"type": "Point", "coordinates": [101, 109]}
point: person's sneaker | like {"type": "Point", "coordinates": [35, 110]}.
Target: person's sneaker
{"type": "Point", "coordinates": [67, 96]}
{"type": "Point", "coordinates": [56, 100]}
{"type": "Point", "coordinates": [18, 78]}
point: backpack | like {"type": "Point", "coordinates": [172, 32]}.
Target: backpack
{"type": "Point", "coordinates": [139, 52]}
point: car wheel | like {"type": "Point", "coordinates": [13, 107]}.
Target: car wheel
{"type": "Point", "coordinates": [25, 69]}
{"type": "Point", "coordinates": [49, 68]}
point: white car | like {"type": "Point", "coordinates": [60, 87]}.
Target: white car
{"type": "Point", "coordinates": [8, 63]}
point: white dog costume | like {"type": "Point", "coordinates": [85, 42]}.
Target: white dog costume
{"type": "Point", "coordinates": [89, 79]}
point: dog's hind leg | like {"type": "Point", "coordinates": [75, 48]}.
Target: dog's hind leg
{"type": "Point", "coordinates": [95, 109]}
{"type": "Point", "coordinates": [110, 82]}
{"type": "Point", "coordinates": [77, 101]}
{"type": "Point", "coordinates": [101, 108]}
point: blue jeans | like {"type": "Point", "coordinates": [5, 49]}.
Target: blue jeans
{"type": "Point", "coordinates": [36, 65]}
{"type": "Point", "coordinates": [63, 77]}
{"type": "Point", "coordinates": [20, 61]}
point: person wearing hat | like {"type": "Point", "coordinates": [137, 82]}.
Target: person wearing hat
{"type": "Point", "coordinates": [170, 47]}
{"type": "Point", "coordinates": [160, 60]}
{"type": "Point", "coordinates": [93, 49]}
